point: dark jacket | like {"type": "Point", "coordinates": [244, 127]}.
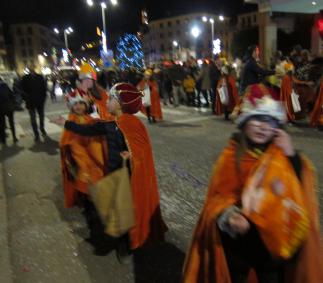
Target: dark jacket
{"type": "Point", "coordinates": [35, 90]}
{"type": "Point", "coordinates": [215, 76]}
{"type": "Point", "coordinates": [253, 73]}
{"type": "Point", "coordinates": [7, 99]}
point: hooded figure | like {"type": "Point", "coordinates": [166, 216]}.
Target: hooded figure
{"type": "Point", "coordinates": [260, 221]}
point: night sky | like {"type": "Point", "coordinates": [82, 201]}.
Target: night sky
{"type": "Point", "coordinates": [123, 18]}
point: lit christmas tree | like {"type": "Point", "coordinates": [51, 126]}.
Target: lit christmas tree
{"type": "Point", "coordinates": [129, 52]}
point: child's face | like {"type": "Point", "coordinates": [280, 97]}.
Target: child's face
{"type": "Point", "coordinates": [79, 108]}
{"type": "Point", "coordinates": [259, 132]}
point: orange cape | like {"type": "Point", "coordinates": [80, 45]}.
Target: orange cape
{"type": "Point", "coordinates": [317, 113]}
{"type": "Point", "coordinates": [233, 95]}
{"type": "Point", "coordinates": [206, 262]}
{"type": "Point", "coordinates": [82, 161]}
{"type": "Point", "coordinates": [286, 96]}
{"type": "Point", "coordinates": [155, 108]}
{"type": "Point", "coordinates": [149, 223]}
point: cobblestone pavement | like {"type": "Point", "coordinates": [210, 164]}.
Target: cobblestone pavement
{"type": "Point", "coordinates": [46, 241]}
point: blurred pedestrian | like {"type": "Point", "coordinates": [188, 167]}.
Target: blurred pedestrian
{"type": "Point", "coordinates": [253, 73]}
{"type": "Point", "coordinates": [189, 87]}
{"type": "Point", "coordinates": [18, 93]}
{"type": "Point", "coordinates": [177, 75]}
{"type": "Point", "coordinates": [205, 83]}
{"type": "Point", "coordinates": [215, 76]}
{"type": "Point", "coordinates": [227, 94]}
{"type": "Point", "coordinates": [151, 99]}
{"type": "Point", "coordinates": [245, 224]}
{"type": "Point", "coordinates": [34, 94]}
{"type": "Point", "coordinates": [7, 108]}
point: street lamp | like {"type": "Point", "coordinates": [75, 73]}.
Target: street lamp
{"type": "Point", "coordinates": [56, 30]}
{"type": "Point", "coordinates": [90, 3]}
{"type": "Point", "coordinates": [195, 31]}
{"type": "Point", "coordinates": [204, 19]}
{"type": "Point", "coordinates": [221, 18]}
{"type": "Point", "coordinates": [175, 43]}
{"type": "Point", "coordinates": [211, 21]}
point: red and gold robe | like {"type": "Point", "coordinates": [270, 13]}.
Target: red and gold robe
{"type": "Point", "coordinates": [155, 108]}
{"type": "Point", "coordinates": [206, 260]}
{"type": "Point", "coordinates": [286, 96]}
{"type": "Point", "coordinates": [232, 92]}
{"type": "Point", "coordinates": [317, 113]}
{"type": "Point", "coordinates": [149, 225]}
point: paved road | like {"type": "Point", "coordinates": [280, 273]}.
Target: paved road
{"type": "Point", "coordinates": [46, 241]}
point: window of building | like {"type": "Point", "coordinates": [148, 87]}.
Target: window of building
{"type": "Point", "coordinates": [249, 21]}
{"type": "Point", "coordinates": [19, 31]}
{"type": "Point", "coordinates": [178, 33]}
{"type": "Point", "coordinates": [169, 24]}
{"type": "Point", "coordinates": [170, 34]}
{"type": "Point", "coordinates": [31, 53]}
{"type": "Point", "coordinates": [24, 53]}
{"type": "Point", "coordinates": [161, 25]}
{"type": "Point", "coordinates": [30, 30]}
{"type": "Point", "coordinates": [22, 41]}
{"type": "Point", "coordinates": [44, 44]}
{"type": "Point", "coordinates": [243, 22]}
{"type": "Point", "coordinates": [29, 41]}
{"type": "Point", "coordinates": [161, 35]}
{"type": "Point", "coordinates": [162, 47]}
{"type": "Point", "coordinates": [255, 18]}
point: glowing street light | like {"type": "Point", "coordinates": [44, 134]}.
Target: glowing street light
{"type": "Point", "coordinates": [114, 2]}
{"type": "Point", "coordinates": [175, 43]}
{"type": "Point", "coordinates": [56, 30]}
{"type": "Point", "coordinates": [195, 31]}
{"type": "Point", "coordinates": [70, 29]}
{"type": "Point", "coordinates": [204, 19]}
{"type": "Point", "coordinates": [90, 3]}
{"type": "Point", "coordinates": [103, 5]}
{"type": "Point", "coordinates": [221, 18]}
{"type": "Point", "coordinates": [211, 21]}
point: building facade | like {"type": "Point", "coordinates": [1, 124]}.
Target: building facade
{"type": "Point", "coordinates": [33, 44]}
{"type": "Point", "coordinates": [3, 51]}
{"type": "Point", "coordinates": [159, 39]}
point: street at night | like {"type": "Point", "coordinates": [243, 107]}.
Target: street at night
{"type": "Point", "coordinates": [161, 141]}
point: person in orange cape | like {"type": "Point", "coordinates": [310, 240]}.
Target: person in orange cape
{"type": "Point", "coordinates": [317, 113]}
{"type": "Point", "coordinates": [128, 134]}
{"type": "Point", "coordinates": [95, 95]}
{"type": "Point", "coordinates": [82, 163]}
{"type": "Point", "coordinates": [227, 81]}
{"type": "Point", "coordinates": [286, 91]}
{"type": "Point", "coordinates": [247, 232]}
{"type": "Point", "coordinates": [151, 100]}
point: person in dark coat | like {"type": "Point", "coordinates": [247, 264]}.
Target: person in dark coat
{"type": "Point", "coordinates": [215, 76]}
{"type": "Point", "coordinates": [252, 72]}
{"type": "Point", "coordinates": [35, 91]}
{"type": "Point", "coordinates": [7, 107]}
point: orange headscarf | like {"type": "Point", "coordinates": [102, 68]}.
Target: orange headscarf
{"type": "Point", "coordinates": [206, 261]}
{"type": "Point", "coordinates": [149, 223]}
{"type": "Point", "coordinates": [82, 160]}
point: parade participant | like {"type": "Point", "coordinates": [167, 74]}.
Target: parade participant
{"type": "Point", "coordinates": [189, 87]}
{"type": "Point", "coordinates": [151, 100]}
{"type": "Point", "coordinates": [92, 92]}
{"type": "Point", "coordinates": [127, 133]}
{"type": "Point", "coordinates": [82, 164]}
{"type": "Point", "coordinates": [317, 113]}
{"type": "Point", "coordinates": [228, 82]}
{"type": "Point", "coordinates": [286, 91]}
{"type": "Point", "coordinates": [246, 224]}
